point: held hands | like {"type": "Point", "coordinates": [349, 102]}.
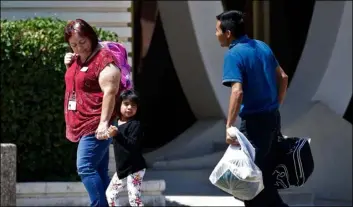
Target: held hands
{"type": "Point", "coordinates": [69, 58]}
{"type": "Point", "coordinates": [112, 131]}
{"type": "Point", "coordinates": [105, 132]}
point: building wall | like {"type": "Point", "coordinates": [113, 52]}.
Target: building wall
{"type": "Point", "coordinates": [335, 88]}
{"type": "Point", "coordinates": [114, 16]}
{"type": "Point", "coordinates": [315, 103]}
{"type": "Point", "coordinates": [319, 95]}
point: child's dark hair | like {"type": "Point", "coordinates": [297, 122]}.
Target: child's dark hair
{"type": "Point", "coordinates": [129, 95]}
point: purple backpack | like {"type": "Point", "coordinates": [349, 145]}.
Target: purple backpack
{"type": "Point", "coordinates": [120, 59]}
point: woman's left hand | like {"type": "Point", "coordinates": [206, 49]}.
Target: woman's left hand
{"type": "Point", "coordinates": [102, 131]}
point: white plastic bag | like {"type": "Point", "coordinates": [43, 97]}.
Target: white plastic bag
{"type": "Point", "coordinates": [236, 173]}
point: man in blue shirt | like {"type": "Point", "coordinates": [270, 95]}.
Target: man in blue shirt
{"type": "Point", "coordinates": [258, 86]}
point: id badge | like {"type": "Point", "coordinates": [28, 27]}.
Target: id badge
{"type": "Point", "coordinates": [84, 69]}
{"type": "Point", "coordinates": [72, 103]}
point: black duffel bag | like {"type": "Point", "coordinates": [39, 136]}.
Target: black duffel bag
{"type": "Point", "coordinates": [294, 162]}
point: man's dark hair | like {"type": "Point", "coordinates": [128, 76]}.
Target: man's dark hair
{"type": "Point", "coordinates": [233, 21]}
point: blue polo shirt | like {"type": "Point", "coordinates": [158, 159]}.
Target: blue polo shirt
{"type": "Point", "coordinates": [252, 63]}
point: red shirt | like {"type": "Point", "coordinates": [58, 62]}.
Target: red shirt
{"type": "Point", "coordinates": [88, 95]}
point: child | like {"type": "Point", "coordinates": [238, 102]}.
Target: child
{"type": "Point", "coordinates": [130, 164]}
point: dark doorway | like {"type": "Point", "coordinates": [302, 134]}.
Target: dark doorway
{"type": "Point", "coordinates": [244, 6]}
{"type": "Point", "coordinates": [290, 21]}
{"type": "Point", "coordinates": [165, 111]}
{"type": "Point", "coordinates": [289, 25]}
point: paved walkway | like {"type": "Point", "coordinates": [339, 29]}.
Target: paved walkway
{"type": "Point", "coordinates": [202, 201]}
{"type": "Point", "coordinates": [230, 201]}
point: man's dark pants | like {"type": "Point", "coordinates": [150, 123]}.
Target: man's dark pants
{"type": "Point", "coordinates": [262, 131]}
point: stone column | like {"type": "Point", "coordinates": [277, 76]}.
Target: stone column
{"type": "Point", "coordinates": [8, 174]}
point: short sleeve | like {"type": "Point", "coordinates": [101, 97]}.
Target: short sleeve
{"type": "Point", "coordinates": [232, 69]}
{"type": "Point", "coordinates": [105, 58]}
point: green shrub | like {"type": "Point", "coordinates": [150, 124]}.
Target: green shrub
{"type": "Point", "coordinates": [32, 89]}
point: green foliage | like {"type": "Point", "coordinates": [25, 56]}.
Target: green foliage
{"type": "Point", "coordinates": [32, 91]}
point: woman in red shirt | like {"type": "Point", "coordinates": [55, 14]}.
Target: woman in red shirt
{"type": "Point", "coordinates": [92, 83]}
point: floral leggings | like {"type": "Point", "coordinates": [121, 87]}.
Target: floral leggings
{"type": "Point", "coordinates": [132, 183]}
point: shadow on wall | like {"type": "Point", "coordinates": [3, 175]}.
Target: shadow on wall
{"type": "Point", "coordinates": [244, 6]}
{"type": "Point", "coordinates": [165, 110]}
{"type": "Point", "coordinates": [289, 25]}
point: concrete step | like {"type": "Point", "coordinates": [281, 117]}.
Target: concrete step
{"type": "Point", "coordinates": [218, 146]}
{"type": "Point", "coordinates": [331, 202]}
{"type": "Point", "coordinates": [202, 162]}
{"type": "Point", "coordinates": [148, 200]}
{"type": "Point", "coordinates": [196, 183]}
{"type": "Point", "coordinates": [207, 132]}
{"type": "Point", "coordinates": [74, 194]}
{"type": "Point", "coordinates": [195, 141]}
{"type": "Point", "coordinates": [185, 182]}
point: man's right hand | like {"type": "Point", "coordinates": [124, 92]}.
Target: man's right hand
{"type": "Point", "coordinates": [232, 141]}
{"type": "Point", "coordinates": [68, 58]}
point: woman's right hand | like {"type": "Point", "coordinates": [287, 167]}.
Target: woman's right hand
{"type": "Point", "coordinates": [68, 58]}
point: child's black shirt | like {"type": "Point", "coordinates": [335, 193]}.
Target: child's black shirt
{"type": "Point", "coordinates": [127, 149]}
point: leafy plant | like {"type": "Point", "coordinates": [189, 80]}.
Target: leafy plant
{"type": "Point", "coordinates": [32, 91]}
